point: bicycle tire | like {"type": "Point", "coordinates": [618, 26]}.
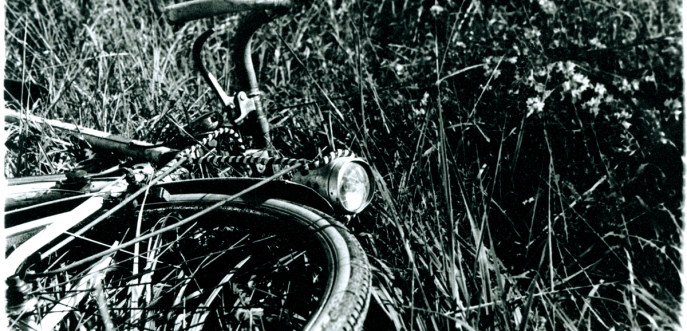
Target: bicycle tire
{"type": "Point", "coordinates": [315, 242]}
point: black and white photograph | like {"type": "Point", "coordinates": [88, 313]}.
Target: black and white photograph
{"type": "Point", "coordinates": [343, 165]}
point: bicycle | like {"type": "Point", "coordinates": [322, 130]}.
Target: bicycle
{"type": "Point", "coordinates": [136, 248]}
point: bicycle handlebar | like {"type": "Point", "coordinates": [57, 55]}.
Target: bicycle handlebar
{"type": "Point", "coordinates": [197, 9]}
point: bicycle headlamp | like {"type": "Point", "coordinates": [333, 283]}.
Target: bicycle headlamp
{"type": "Point", "coordinates": [347, 182]}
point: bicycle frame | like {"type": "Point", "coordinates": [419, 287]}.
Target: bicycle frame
{"type": "Point", "coordinates": [245, 110]}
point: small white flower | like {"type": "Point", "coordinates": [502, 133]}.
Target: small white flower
{"type": "Point", "coordinates": [425, 99]}
{"type": "Point", "coordinates": [595, 42]}
{"type": "Point", "coordinates": [677, 114]}
{"type": "Point", "coordinates": [625, 86]}
{"type": "Point", "coordinates": [600, 89]}
{"type": "Point", "coordinates": [567, 68]}
{"type": "Point", "coordinates": [593, 105]}
{"type": "Point", "coordinates": [541, 72]}
{"type": "Point", "coordinates": [399, 69]}
{"type": "Point", "coordinates": [534, 105]}
{"type": "Point", "coordinates": [576, 93]}
{"type": "Point", "coordinates": [532, 33]}
{"type": "Point", "coordinates": [516, 49]}
{"type": "Point", "coordinates": [582, 79]}
{"type": "Point", "coordinates": [623, 115]}
{"type": "Point", "coordinates": [673, 103]}
{"type": "Point", "coordinates": [635, 84]}
{"type": "Point", "coordinates": [548, 6]}
{"type": "Point", "coordinates": [418, 112]}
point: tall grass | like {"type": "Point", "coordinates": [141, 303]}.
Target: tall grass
{"type": "Point", "coordinates": [527, 152]}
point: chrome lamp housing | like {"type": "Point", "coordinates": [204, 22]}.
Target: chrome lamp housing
{"type": "Point", "coordinates": [346, 182]}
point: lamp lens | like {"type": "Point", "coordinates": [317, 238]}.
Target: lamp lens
{"type": "Point", "coordinates": [354, 186]}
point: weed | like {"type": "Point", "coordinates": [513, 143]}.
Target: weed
{"type": "Point", "coordinates": [528, 152]}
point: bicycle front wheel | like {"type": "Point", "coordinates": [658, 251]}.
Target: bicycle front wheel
{"type": "Point", "coordinates": [243, 266]}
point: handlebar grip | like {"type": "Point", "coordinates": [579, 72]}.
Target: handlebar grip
{"type": "Point", "coordinates": [197, 9]}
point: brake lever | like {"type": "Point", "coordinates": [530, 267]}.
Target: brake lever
{"type": "Point", "coordinates": [245, 104]}
{"type": "Point", "coordinates": [227, 102]}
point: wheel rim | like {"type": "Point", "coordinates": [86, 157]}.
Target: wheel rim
{"type": "Point", "coordinates": [236, 268]}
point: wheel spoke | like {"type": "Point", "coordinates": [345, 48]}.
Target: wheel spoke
{"type": "Point", "coordinates": [233, 268]}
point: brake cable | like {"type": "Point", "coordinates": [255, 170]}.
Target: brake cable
{"type": "Point", "coordinates": [275, 160]}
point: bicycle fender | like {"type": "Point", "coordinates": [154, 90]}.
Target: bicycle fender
{"type": "Point", "coordinates": [278, 189]}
